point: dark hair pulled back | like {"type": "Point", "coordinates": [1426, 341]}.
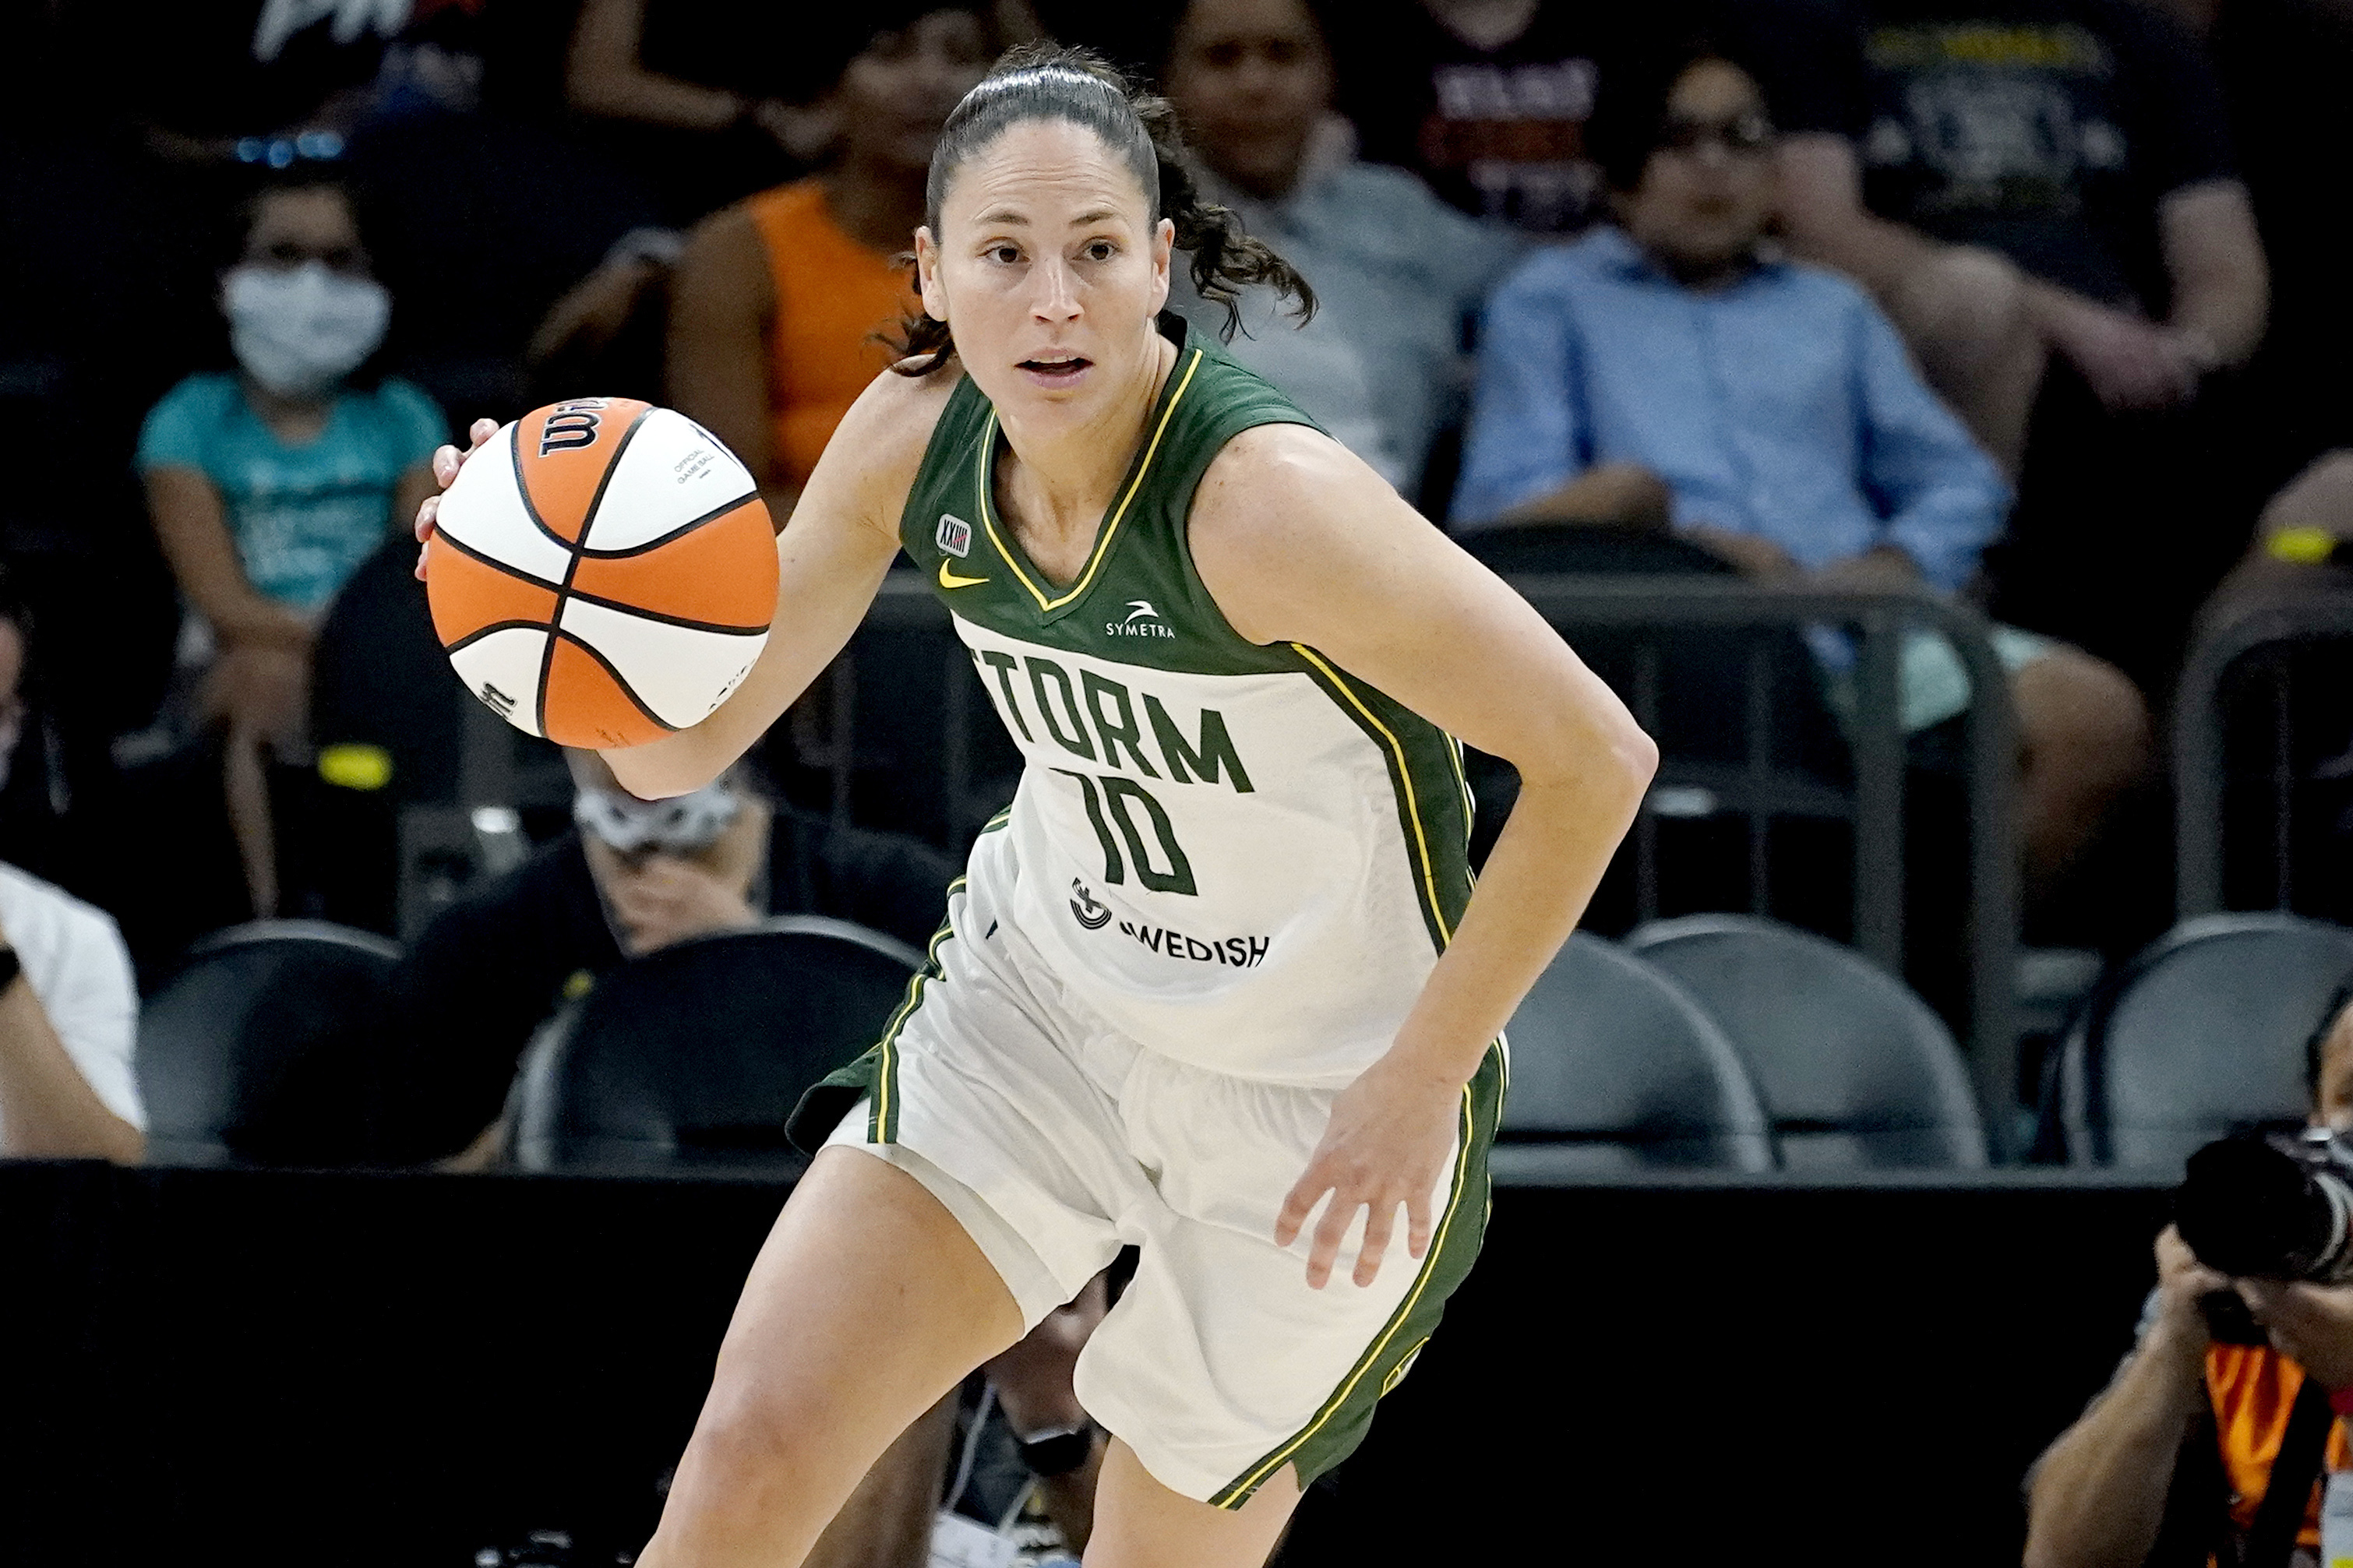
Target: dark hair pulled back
{"type": "Point", "coordinates": [1047, 81]}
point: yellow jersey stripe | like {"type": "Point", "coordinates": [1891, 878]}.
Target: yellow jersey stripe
{"type": "Point", "coordinates": [1405, 780]}
{"type": "Point", "coordinates": [1103, 544]}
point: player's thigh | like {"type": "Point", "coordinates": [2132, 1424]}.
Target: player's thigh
{"type": "Point", "coordinates": [866, 1303]}
{"type": "Point", "coordinates": [1139, 1523]}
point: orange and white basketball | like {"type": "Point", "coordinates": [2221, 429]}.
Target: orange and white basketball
{"type": "Point", "coordinates": [604, 573]}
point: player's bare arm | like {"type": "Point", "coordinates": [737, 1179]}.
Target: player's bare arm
{"type": "Point", "coordinates": [1300, 541]}
{"type": "Point", "coordinates": [829, 563]}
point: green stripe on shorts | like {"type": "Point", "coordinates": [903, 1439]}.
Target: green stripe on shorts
{"type": "Point", "coordinates": [874, 1075]}
{"type": "Point", "coordinates": [1347, 1416]}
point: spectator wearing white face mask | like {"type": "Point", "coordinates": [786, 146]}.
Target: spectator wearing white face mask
{"type": "Point", "coordinates": [269, 486]}
{"type": "Point", "coordinates": [634, 877]}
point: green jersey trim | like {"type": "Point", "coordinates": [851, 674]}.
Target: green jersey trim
{"type": "Point", "coordinates": [1110, 530]}
{"type": "Point", "coordinates": [1433, 863]}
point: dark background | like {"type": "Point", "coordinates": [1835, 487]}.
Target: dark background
{"type": "Point", "coordinates": [272, 1368]}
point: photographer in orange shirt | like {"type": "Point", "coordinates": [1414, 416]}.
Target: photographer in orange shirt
{"type": "Point", "coordinates": [2184, 1439]}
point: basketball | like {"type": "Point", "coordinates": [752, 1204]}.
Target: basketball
{"type": "Point", "coordinates": [604, 573]}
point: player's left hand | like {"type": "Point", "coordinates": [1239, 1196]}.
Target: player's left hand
{"type": "Point", "coordinates": [2310, 1324]}
{"type": "Point", "coordinates": [1388, 1137]}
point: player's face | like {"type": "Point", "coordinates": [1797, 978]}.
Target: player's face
{"type": "Point", "coordinates": [1050, 268]}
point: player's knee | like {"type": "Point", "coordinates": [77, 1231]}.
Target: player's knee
{"type": "Point", "coordinates": [743, 1433]}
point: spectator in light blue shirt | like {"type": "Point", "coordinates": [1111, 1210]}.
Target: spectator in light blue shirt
{"type": "Point", "coordinates": [1671, 370]}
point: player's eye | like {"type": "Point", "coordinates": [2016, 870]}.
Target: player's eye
{"type": "Point", "coordinates": [1006, 254]}
{"type": "Point", "coordinates": [1099, 250]}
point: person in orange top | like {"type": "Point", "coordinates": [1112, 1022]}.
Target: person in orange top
{"type": "Point", "coordinates": [2098, 1494]}
{"type": "Point", "coordinates": [777, 301]}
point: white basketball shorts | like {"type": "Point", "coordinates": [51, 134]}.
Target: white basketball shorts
{"type": "Point", "coordinates": [1055, 1141]}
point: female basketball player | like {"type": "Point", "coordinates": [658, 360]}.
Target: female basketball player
{"type": "Point", "coordinates": [1217, 971]}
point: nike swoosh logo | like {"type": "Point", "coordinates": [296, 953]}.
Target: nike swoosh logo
{"type": "Point", "coordinates": [948, 579]}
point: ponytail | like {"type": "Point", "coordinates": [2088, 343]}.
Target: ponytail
{"type": "Point", "coordinates": [1043, 82]}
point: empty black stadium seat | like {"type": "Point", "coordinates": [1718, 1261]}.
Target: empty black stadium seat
{"type": "Point", "coordinates": [259, 1049]}
{"type": "Point", "coordinates": [1855, 1069]}
{"type": "Point", "coordinates": [692, 1056]}
{"type": "Point", "coordinates": [2200, 1036]}
{"type": "Point", "coordinates": [1617, 1068]}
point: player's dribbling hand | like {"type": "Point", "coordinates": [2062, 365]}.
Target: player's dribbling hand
{"type": "Point", "coordinates": [1388, 1137]}
{"type": "Point", "coordinates": [446, 460]}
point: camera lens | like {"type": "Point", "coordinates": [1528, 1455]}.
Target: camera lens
{"type": "Point", "coordinates": [2250, 1209]}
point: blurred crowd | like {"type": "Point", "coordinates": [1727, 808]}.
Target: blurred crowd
{"type": "Point", "coordinates": [2025, 301]}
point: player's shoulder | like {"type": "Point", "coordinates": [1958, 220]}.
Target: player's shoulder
{"type": "Point", "coordinates": [1278, 488]}
{"type": "Point", "coordinates": [876, 451]}
{"type": "Point", "coordinates": [1274, 463]}
{"type": "Point", "coordinates": [894, 418]}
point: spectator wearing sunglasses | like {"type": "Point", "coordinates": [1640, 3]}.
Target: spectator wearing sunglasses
{"type": "Point", "coordinates": [269, 484]}
{"type": "Point", "coordinates": [635, 877]}
{"type": "Point", "coordinates": [1673, 368]}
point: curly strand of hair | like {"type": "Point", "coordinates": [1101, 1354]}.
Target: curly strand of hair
{"type": "Point", "coordinates": [1226, 258]}
{"type": "Point", "coordinates": [1080, 86]}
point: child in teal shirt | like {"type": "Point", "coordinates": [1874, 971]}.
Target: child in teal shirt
{"type": "Point", "coordinates": [269, 487]}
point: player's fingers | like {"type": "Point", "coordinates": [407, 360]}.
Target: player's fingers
{"type": "Point", "coordinates": [1329, 1234]}
{"type": "Point", "coordinates": [1297, 1204]}
{"type": "Point", "coordinates": [479, 433]}
{"type": "Point", "coordinates": [429, 513]}
{"type": "Point", "coordinates": [1378, 1227]}
{"type": "Point", "coordinates": [1418, 1225]}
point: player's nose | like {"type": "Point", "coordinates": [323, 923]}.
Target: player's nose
{"type": "Point", "coordinates": [1054, 295]}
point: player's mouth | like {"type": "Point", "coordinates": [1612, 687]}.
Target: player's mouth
{"type": "Point", "coordinates": [1055, 371]}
